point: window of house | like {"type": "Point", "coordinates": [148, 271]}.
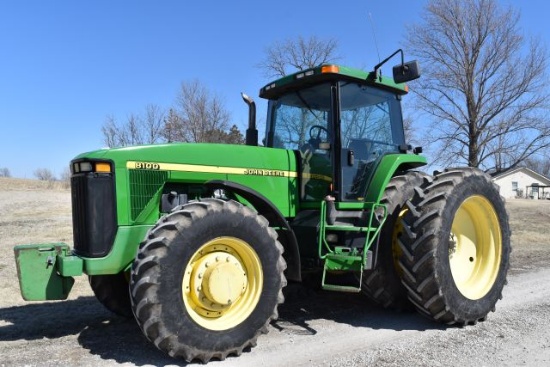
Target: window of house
{"type": "Point", "coordinates": [514, 185]}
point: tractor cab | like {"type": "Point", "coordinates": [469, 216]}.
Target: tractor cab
{"type": "Point", "coordinates": [341, 122]}
{"type": "Point", "coordinates": [346, 129]}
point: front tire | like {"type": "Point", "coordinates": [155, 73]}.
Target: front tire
{"type": "Point", "coordinates": [456, 247]}
{"type": "Point", "coordinates": [207, 280]}
{"type": "Point", "coordinates": [112, 292]}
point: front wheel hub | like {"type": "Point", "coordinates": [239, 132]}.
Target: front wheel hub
{"type": "Point", "coordinates": [217, 281]}
{"type": "Point", "coordinates": [224, 280]}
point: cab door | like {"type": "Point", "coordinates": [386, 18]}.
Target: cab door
{"type": "Point", "coordinates": [370, 127]}
{"type": "Point", "coordinates": [303, 121]}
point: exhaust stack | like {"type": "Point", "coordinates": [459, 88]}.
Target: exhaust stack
{"type": "Point", "coordinates": [251, 132]}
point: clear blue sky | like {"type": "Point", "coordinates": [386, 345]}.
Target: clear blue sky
{"type": "Point", "coordinates": [66, 65]}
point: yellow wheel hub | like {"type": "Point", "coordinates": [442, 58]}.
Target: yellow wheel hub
{"type": "Point", "coordinates": [475, 247]}
{"type": "Point", "coordinates": [222, 283]}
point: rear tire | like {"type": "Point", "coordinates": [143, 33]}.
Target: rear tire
{"type": "Point", "coordinates": [456, 247]}
{"type": "Point", "coordinates": [207, 280]}
{"type": "Point", "coordinates": [112, 292]}
{"type": "Point", "coordinates": [382, 284]}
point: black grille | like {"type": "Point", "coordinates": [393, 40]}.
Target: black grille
{"type": "Point", "coordinates": [94, 213]}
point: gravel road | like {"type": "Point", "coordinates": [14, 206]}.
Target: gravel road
{"type": "Point", "coordinates": [517, 334]}
{"type": "Point", "coordinates": [327, 330]}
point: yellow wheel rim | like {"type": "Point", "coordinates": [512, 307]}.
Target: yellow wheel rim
{"type": "Point", "coordinates": [222, 283]}
{"type": "Point", "coordinates": [397, 230]}
{"type": "Point", "coordinates": [475, 247]}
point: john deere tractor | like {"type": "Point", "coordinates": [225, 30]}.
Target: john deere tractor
{"type": "Point", "coordinates": [197, 241]}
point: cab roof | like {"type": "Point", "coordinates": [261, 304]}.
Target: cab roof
{"type": "Point", "coordinates": [328, 73]}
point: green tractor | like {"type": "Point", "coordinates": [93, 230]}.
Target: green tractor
{"type": "Point", "coordinates": [197, 241]}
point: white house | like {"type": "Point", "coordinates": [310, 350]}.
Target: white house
{"type": "Point", "coordinates": [523, 182]}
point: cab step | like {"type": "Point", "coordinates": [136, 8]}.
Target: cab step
{"type": "Point", "coordinates": [349, 260]}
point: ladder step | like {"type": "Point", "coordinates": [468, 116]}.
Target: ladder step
{"type": "Point", "coordinates": [341, 288]}
{"type": "Point", "coordinates": [343, 262]}
{"type": "Point", "coordinates": [350, 228]}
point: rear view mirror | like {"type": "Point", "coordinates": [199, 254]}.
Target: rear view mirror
{"type": "Point", "coordinates": [406, 72]}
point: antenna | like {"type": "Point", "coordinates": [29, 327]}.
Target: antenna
{"type": "Point", "coordinates": [374, 36]}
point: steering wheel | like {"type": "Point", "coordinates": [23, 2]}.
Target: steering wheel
{"type": "Point", "coordinates": [320, 128]}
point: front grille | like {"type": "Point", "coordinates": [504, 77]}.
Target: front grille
{"type": "Point", "coordinates": [94, 213]}
{"type": "Point", "coordinates": [143, 186]}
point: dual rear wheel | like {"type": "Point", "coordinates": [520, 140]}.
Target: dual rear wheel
{"type": "Point", "coordinates": [455, 248]}
{"type": "Point", "coordinates": [444, 248]}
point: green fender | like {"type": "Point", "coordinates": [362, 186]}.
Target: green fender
{"type": "Point", "coordinates": [386, 169]}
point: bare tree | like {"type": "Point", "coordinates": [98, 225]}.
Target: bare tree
{"type": "Point", "coordinates": [483, 84]}
{"type": "Point", "coordinates": [291, 55]}
{"type": "Point", "coordinates": [146, 129]}
{"type": "Point", "coordinates": [198, 116]}
{"type": "Point", "coordinates": [44, 174]}
{"type": "Point", "coordinates": [171, 127]}
{"type": "Point", "coordinates": [5, 172]}
{"type": "Point", "coordinates": [111, 131]}
{"type": "Point", "coordinates": [65, 178]}
{"type": "Point", "coordinates": [201, 115]}
{"type": "Point", "coordinates": [153, 123]}
{"type": "Point", "coordinates": [539, 164]}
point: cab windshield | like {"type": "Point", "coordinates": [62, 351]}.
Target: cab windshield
{"type": "Point", "coordinates": [294, 115]}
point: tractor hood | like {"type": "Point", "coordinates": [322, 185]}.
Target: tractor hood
{"type": "Point", "coordinates": [191, 157]}
{"type": "Point", "coordinates": [143, 173]}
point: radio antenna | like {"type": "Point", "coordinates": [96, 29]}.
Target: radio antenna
{"type": "Point", "coordinates": [374, 36]}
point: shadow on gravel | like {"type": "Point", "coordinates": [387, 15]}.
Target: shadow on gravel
{"type": "Point", "coordinates": [49, 319]}
{"type": "Point", "coordinates": [304, 304]}
{"type": "Point", "coordinates": [97, 330]}
{"type": "Point", "coordinates": [119, 339]}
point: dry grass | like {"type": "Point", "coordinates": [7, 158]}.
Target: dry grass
{"type": "Point", "coordinates": [530, 222]}
{"type": "Point", "coordinates": [23, 184]}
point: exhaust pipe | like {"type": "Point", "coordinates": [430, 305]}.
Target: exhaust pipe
{"type": "Point", "coordinates": [251, 132]}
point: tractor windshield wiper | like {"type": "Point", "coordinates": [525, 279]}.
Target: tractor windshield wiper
{"type": "Point", "coordinates": [308, 106]}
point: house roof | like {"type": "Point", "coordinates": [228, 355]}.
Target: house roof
{"type": "Point", "coordinates": [525, 170]}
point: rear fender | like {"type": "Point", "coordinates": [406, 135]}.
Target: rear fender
{"type": "Point", "coordinates": [386, 169]}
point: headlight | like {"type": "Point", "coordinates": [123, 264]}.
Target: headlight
{"type": "Point", "coordinates": [91, 166]}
